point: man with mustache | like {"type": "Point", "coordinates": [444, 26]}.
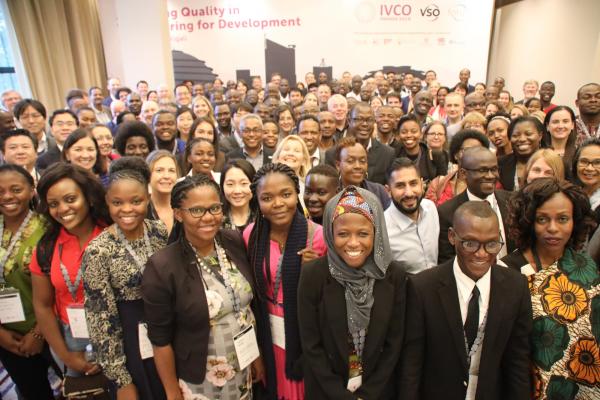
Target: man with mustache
{"type": "Point", "coordinates": [480, 168]}
{"type": "Point", "coordinates": [412, 221]}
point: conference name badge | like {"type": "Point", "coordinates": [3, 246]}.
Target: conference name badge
{"type": "Point", "coordinates": [277, 330]}
{"type": "Point", "coordinates": [77, 321]}
{"type": "Point", "coordinates": [246, 347]}
{"type": "Point", "coordinates": [11, 306]}
{"type": "Point", "coordinates": [146, 350]}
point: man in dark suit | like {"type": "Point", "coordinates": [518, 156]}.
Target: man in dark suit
{"type": "Point", "coordinates": [254, 152]}
{"type": "Point", "coordinates": [468, 320]}
{"type": "Point", "coordinates": [62, 123]}
{"type": "Point", "coordinates": [480, 167]}
{"type": "Point", "coordinates": [380, 156]}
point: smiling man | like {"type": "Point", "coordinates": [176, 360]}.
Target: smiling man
{"type": "Point", "coordinates": [468, 320]}
{"type": "Point", "coordinates": [310, 132]}
{"type": "Point", "coordinates": [480, 168]}
{"type": "Point", "coordinates": [62, 124]}
{"type": "Point", "coordinates": [253, 151]}
{"type": "Point", "coordinates": [412, 221]}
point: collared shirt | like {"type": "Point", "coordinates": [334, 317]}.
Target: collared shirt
{"type": "Point", "coordinates": [315, 158]}
{"type": "Point", "coordinates": [465, 286]}
{"type": "Point", "coordinates": [257, 162]}
{"type": "Point", "coordinates": [491, 199]}
{"type": "Point", "coordinates": [352, 95]}
{"type": "Point", "coordinates": [414, 244]}
{"type": "Point", "coordinates": [42, 144]}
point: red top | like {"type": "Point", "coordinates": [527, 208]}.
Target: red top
{"type": "Point", "coordinates": [72, 255]}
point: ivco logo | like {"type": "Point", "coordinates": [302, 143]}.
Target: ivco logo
{"type": "Point", "coordinates": [431, 12]}
{"type": "Point", "coordinates": [395, 10]}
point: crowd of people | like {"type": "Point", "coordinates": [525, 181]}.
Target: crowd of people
{"type": "Point", "coordinates": [367, 237]}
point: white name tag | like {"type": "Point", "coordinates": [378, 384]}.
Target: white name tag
{"type": "Point", "coordinates": [246, 347]}
{"type": "Point", "coordinates": [354, 383]}
{"type": "Point", "coordinates": [277, 331]}
{"type": "Point", "coordinates": [11, 307]}
{"type": "Point", "coordinates": [77, 322]}
{"type": "Point", "coordinates": [146, 350]}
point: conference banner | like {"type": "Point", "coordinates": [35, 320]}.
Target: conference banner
{"type": "Point", "coordinates": [229, 38]}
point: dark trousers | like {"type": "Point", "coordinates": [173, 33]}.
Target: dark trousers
{"type": "Point", "coordinates": [29, 374]}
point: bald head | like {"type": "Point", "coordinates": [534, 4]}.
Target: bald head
{"type": "Point", "coordinates": [475, 102]}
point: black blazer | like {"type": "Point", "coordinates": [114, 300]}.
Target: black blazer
{"type": "Point", "coordinates": [431, 163]}
{"type": "Point", "coordinates": [325, 339]}
{"type": "Point", "coordinates": [51, 156]}
{"type": "Point", "coordinates": [238, 153]}
{"type": "Point", "coordinates": [175, 303]}
{"type": "Point", "coordinates": [507, 167]}
{"type": "Point", "coordinates": [434, 365]}
{"type": "Point", "coordinates": [446, 213]}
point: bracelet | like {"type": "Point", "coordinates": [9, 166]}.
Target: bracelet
{"type": "Point", "coordinates": [36, 335]}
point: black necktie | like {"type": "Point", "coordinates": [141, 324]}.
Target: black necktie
{"type": "Point", "coordinates": [472, 321]}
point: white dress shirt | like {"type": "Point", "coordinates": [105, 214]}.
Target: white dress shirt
{"type": "Point", "coordinates": [464, 286]}
{"type": "Point", "coordinates": [352, 95]}
{"type": "Point", "coordinates": [491, 199]}
{"type": "Point", "coordinates": [414, 244]}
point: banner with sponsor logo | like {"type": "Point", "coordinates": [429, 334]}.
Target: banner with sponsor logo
{"type": "Point", "coordinates": [224, 37]}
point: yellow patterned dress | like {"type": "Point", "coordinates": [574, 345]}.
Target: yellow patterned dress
{"type": "Point", "coordinates": [566, 328]}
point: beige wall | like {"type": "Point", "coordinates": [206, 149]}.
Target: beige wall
{"type": "Point", "coordinates": [135, 36]}
{"type": "Point", "coordinates": [557, 40]}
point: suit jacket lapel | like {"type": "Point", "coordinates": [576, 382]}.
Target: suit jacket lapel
{"type": "Point", "coordinates": [335, 310]}
{"type": "Point", "coordinates": [383, 293]}
{"type": "Point", "coordinates": [449, 298]}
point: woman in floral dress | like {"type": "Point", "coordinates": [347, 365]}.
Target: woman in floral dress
{"type": "Point", "coordinates": [550, 221]}
{"type": "Point", "coordinates": [197, 297]}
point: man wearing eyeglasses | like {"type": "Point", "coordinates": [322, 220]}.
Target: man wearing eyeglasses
{"type": "Point", "coordinates": [62, 123]}
{"type": "Point", "coordinates": [480, 168]}
{"type": "Point", "coordinates": [468, 320]}
{"type": "Point", "coordinates": [253, 151]}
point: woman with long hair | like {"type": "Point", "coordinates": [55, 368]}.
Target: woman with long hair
{"type": "Point", "coordinates": [279, 242]}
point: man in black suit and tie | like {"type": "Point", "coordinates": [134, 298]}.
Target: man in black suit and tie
{"type": "Point", "coordinates": [380, 156]}
{"type": "Point", "coordinates": [480, 168]}
{"type": "Point", "coordinates": [468, 320]}
{"type": "Point", "coordinates": [254, 152]}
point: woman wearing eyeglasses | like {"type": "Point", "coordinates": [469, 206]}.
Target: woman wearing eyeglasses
{"type": "Point", "coordinates": [586, 169]}
{"type": "Point", "coordinates": [197, 293]}
{"type": "Point", "coordinates": [550, 221]}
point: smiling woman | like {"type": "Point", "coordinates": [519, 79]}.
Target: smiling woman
{"type": "Point", "coordinates": [82, 149]}
{"type": "Point", "coordinates": [113, 265]}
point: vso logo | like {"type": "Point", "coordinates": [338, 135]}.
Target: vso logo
{"type": "Point", "coordinates": [431, 12]}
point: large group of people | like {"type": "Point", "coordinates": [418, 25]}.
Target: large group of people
{"type": "Point", "coordinates": [368, 237]}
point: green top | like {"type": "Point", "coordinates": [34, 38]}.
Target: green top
{"type": "Point", "coordinates": [16, 270]}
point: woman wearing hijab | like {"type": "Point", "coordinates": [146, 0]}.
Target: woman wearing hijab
{"type": "Point", "coordinates": [351, 304]}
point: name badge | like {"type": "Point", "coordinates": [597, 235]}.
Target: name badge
{"type": "Point", "coordinates": [146, 350]}
{"type": "Point", "coordinates": [11, 307]}
{"type": "Point", "coordinates": [246, 347]}
{"type": "Point", "coordinates": [277, 330]}
{"type": "Point", "coordinates": [354, 383]}
{"type": "Point", "coordinates": [77, 322]}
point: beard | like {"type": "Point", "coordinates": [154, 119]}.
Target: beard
{"type": "Point", "coordinates": [406, 210]}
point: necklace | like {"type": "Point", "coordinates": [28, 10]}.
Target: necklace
{"type": "Point", "coordinates": [136, 258]}
{"type": "Point", "coordinates": [13, 240]}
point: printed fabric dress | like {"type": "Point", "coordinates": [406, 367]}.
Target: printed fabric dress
{"type": "Point", "coordinates": [566, 328]}
{"type": "Point", "coordinates": [115, 310]}
{"type": "Point", "coordinates": [223, 380]}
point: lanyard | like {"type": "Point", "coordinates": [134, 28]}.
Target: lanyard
{"type": "Point", "coordinates": [72, 286]}
{"type": "Point", "coordinates": [13, 241]}
{"type": "Point", "coordinates": [222, 276]}
{"type": "Point", "coordinates": [277, 279]}
{"type": "Point", "coordinates": [137, 259]}
{"type": "Point", "coordinates": [477, 342]}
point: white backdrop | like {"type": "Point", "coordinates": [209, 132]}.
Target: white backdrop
{"type": "Point", "coordinates": [354, 35]}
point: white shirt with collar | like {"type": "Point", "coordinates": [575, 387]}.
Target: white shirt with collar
{"type": "Point", "coordinates": [352, 95]}
{"type": "Point", "coordinates": [414, 244]}
{"type": "Point", "coordinates": [315, 158]}
{"type": "Point", "coordinates": [464, 286]}
{"type": "Point", "coordinates": [491, 199]}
